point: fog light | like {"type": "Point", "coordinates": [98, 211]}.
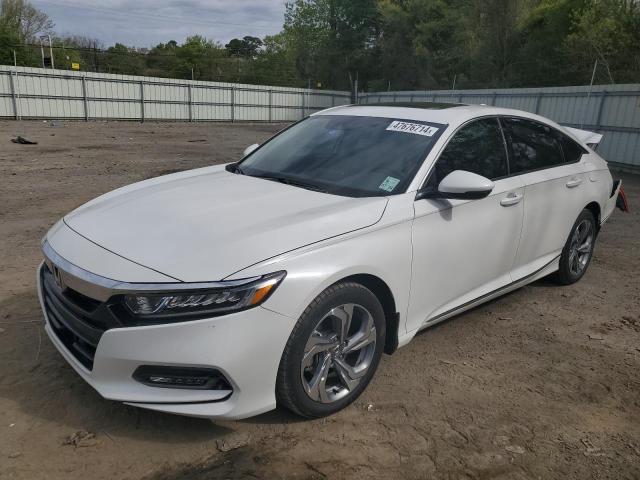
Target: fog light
{"type": "Point", "coordinates": [181, 377]}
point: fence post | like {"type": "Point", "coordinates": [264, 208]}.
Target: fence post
{"type": "Point", "coordinates": [233, 104]}
{"type": "Point", "coordinates": [333, 100]}
{"type": "Point", "coordinates": [16, 113]}
{"type": "Point", "coordinates": [141, 101]}
{"type": "Point", "coordinates": [304, 108]}
{"type": "Point", "coordinates": [460, 98]}
{"type": "Point", "coordinates": [538, 100]}
{"type": "Point", "coordinates": [603, 95]}
{"type": "Point", "coordinates": [270, 105]}
{"type": "Point", "coordinates": [494, 99]}
{"type": "Point", "coordinates": [190, 98]}
{"type": "Point", "coordinates": [84, 98]}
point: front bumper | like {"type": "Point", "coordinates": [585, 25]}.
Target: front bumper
{"type": "Point", "coordinates": [245, 346]}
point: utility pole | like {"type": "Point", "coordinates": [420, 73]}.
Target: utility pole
{"type": "Point", "coordinates": [53, 65]}
{"type": "Point", "coordinates": [42, 38]}
{"type": "Point", "coordinates": [95, 57]}
{"type": "Point", "coordinates": [586, 104]}
{"type": "Point", "coordinates": [355, 91]}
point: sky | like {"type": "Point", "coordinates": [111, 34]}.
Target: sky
{"type": "Point", "coordinates": [145, 23]}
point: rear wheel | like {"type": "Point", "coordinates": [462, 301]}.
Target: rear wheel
{"type": "Point", "coordinates": [578, 250]}
{"type": "Point", "coordinates": [332, 352]}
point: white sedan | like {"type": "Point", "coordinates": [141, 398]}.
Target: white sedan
{"type": "Point", "coordinates": [281, 279]}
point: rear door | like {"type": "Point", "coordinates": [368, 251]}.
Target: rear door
{"type": "Point", "coordinates": [548, 163]}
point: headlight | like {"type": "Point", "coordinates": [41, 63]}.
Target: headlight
{"type": "Point", "coordinates": [210, 301]}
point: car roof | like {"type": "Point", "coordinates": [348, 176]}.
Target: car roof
{"type": "Point", "coordinates": [452, 114]}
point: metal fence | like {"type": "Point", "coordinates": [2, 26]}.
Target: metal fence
{"type": "Point", "coordinates": [613, 110]}
{"type": "Point", "coordinates": [35, 93]}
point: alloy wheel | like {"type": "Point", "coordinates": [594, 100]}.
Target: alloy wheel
{"type": "Point", "coordinates": [581, 247]}
{"type": "Point", "coordinates": [338, 353]}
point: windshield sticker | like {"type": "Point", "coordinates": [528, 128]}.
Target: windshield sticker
{"type": "Point", "coordinates": [389, 184]}
{"type": "Point", "coordinates": [415, 128]}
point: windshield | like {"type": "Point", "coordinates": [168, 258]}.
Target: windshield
{"type": "Point", "coordinates": [345, 155]}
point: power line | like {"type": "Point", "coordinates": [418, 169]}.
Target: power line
{"type": "Point", "coordinates": [151, 53]}
{"type": "Point", "coordinates": [276, 73]}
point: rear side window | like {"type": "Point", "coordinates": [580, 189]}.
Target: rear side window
{"type": "Point", "coordinates": [534, 146]}
{"type": "Point", "coordinates": [572, 150]}
{"type": "Point", "coordinates": [477, 147]}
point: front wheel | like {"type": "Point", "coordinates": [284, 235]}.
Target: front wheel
{"type": "Point", "coordinates": [333, 351]}
{"type": "Point", "coordinates": [578, 250]}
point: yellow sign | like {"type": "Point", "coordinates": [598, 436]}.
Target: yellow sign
{"type": "Point", "coordinates": [75, 66]}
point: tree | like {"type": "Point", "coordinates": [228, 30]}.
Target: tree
{"type": "Point", "coordinates": [25, 20]}
{"type": "Point", "coordinates": [248, 47]}
{"type": "Point", "coordinates": [124, 60]}
{"type": "Point", "coordinates": [608, 31]}
{"type": "Point", "coordinates": [495, 40]}
{"type": "Point", "coordinates": [397, 44]}
{"type": "Point", "coordinates": [422, 43]}
{"type": "Point", "coordinates": [543, 58]}
{"type": "Point", "coordinates": [332, 40]}
{"type": "Point", "coordinates": [200, 56]}
{"type": "Point", "coordinates": [162, 60]}
{"type": "Point", "coordinates": [8, 41]}
{"type": "Point", "coordinates": [274, 64]}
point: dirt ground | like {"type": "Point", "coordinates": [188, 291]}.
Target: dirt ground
{"type": "Point", "coordinates": [543, 383]}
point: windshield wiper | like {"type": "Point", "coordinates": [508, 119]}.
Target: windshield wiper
{"type": "Point", "coordinates": [293, 182]}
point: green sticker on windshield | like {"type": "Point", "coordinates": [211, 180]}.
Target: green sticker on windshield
{"type": "Point", "coordinates": [389, 184]}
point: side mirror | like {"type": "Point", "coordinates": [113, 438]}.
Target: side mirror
{"type": "Point", "coordinates": [461, 185]}
{"type": "Point", "coordinates": [250, 149]}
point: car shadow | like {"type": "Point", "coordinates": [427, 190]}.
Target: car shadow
{"type": "Point", "coordinates": [279, 416]}
{"type": "Point", "coordinates": [544, 282]}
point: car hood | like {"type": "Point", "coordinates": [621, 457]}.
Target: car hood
{"type": "Point", "coordinates": [206, 224]}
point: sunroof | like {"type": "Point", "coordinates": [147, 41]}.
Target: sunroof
{"type": "Point", "coordinates": [423, 105]}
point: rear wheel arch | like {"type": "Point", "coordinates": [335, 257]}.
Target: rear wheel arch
{"type": "Point", "coordinates": [594, 208]}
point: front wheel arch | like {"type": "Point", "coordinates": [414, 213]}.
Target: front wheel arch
{"type": "Point", "coordinates": [385, 296]}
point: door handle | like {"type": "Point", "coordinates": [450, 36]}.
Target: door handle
{"type": "Point", "coordinates": [574, 182]}
{"type": "Point", "coordinates": [511, 199]}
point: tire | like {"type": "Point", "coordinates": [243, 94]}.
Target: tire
{"type": "Point", "coordinates": [321, 370]}
{"type": "Point", "coordinates": [578, 250]}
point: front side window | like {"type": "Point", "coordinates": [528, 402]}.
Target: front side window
{"type": "Point", "coordinates": [477, 147]}
{"type": "Point", "coordinates": [533, 145]}
{"type": "Point", "coordinates": [346, 155]}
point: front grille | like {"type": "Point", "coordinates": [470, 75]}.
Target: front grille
{"type": "Point", "coordinates": [77, 320]}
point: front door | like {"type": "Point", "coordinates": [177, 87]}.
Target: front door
{"type": "Point", "coordinates": [463, 249]}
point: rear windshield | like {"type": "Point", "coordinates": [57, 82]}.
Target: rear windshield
{"type": "Point", "coordinates": [346, 155]}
